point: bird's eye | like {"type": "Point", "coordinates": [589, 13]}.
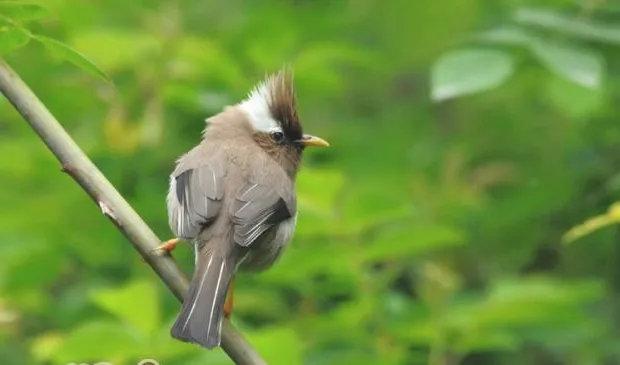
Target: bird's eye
{"type": "Point", "coordinates": [277, 136]}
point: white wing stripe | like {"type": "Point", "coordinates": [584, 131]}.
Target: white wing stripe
{"type": "Point", "coordinates": [250, 189]}
{"type": "Point", "coordinates": [215, 295]}
{"type": "Point", "coordinates": [204, 276]}
{"type": "Point", "coordinates": [243, 207]}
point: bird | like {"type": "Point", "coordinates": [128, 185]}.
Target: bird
{"type": "Point", "coordinates": [233, 198]}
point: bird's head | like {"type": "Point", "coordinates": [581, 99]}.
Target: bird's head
{"type": "Point", "coordinates": [272, 112]}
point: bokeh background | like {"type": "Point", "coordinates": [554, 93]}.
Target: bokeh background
{"type": "Point", "coordinates": [468, 138]}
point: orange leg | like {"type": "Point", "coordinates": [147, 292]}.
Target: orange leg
{"type": "Point", "coordinates": [168, 246]}
{"type": "Point", "coordinates": [230, 298]}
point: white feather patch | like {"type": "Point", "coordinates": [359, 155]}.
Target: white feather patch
{"type": "Point", "coordinates": [285, 232]}
{"type": "Point", "coordinates": [172, 205]}
{"type": "Point", "coordinates": [256, 106]}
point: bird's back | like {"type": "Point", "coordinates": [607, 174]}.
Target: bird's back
{"type": "Point", "coordinates": [244, 164]}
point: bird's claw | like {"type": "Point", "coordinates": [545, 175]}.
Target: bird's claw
{"type": "Point", "coordinates": [167, 246]}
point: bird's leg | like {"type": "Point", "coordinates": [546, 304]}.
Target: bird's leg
{"type": "Point", "coordinates": [165, 247]}
{"type": "Point", "coordinates": [168, 246]}
{"type": "Point", "coordinates": [230, 296]}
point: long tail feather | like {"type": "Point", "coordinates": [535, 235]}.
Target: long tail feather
{"type": "Point", "coordinates": [200, 318]}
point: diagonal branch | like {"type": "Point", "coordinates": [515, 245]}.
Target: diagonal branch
{"type": "Point", "coordinates": [111, 203]}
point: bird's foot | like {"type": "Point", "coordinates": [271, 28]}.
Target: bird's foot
{"type": "Point", "coordinates": [168, 246]}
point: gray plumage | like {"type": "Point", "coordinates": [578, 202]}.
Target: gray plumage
{"type": "Point", "coordinates": [233, 197]}
{"type": "Point", "coordinates": [197, 197]}
{"type": "Point", "coordinates": [235, 201]}
{"type": "Point", "coordinates": [257, 209]}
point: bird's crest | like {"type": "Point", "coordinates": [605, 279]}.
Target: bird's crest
{"type": "Point", "coordinates": [272, 105]}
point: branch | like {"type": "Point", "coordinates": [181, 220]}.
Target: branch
{"type": "Point", "coordinates": [111, 203]}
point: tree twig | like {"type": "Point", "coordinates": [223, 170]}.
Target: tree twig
{"type": "Point", "coordinates": [109, 201]}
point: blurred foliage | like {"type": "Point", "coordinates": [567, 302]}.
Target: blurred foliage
{"type": "Point", "coordinates": [469, 138]}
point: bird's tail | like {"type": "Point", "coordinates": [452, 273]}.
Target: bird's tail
{"type": "Point", "coordinates": [200, 318]}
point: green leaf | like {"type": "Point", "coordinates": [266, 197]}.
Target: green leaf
{"type": "Point", "coordinates": [25, 273]}
{"type": "Point", "coordinates": [469, 71]}
{"type": "Point", "coordinates": [573, 99]}
{"type": "Point", "coordinates": [366, 203]}
{"type": "Point", "coordinates": [569, 24]}
{"type": "Point", "coordinates": [115, 49]}
{"type": "Point", "coordinates": [99, 341]}
{"type": "Point", "coordinates": [318, 190]}
{"type": "Point", "coordinates": [22, 11]}
{"type": "Point", "coordinates": [407, 241]}
{"type": "Point", "coordinates": [45, 345]}
{"type": "Point", "coordinates": [136, 303]}
{"type": "Point", "coordinates": [317, 194]}
{"type": "Point", "coordinates": [69, 54]}
{"type": "Point", "coordinates": [12, 38]}
{"type": "Point", "coordinates": [505, 35]}
{"type": "Point", "coordinates": [578, 65]}
{"type": "Point", "coordinates": [592, 224]}
{"type": "Point", "coordinates": [280, 343]}
{"type": "Point", "coordinates": [527, 301]}
{"type": "Point", "coordinates": [315, 65]}
{"type": "Point", "coordinates": [424, 332]}
{"type": "Point", "coordinates": [308, 258]}
{"type": "Point", "coordinates": [200, 57]}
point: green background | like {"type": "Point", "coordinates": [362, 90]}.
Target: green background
{"type": "Point", "coordinates": [468, 137]}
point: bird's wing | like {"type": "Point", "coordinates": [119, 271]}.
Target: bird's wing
{"type": "Point", "coordinates": [195, 199]}
{"type": "Point", "coordinates": [256, 209]}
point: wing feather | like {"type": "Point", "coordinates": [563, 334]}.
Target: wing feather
{"type": "Point", "coordinates": [257, 209]}
{"type": "Point", "coordinates": [194, 199]}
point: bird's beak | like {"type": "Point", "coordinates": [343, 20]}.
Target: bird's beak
{"type": "Point", "coordinates": [310, 140]}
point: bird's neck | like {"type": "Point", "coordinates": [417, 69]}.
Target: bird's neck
{"type": "Point", "coordinates": [288, 159]}
{"type": "Point", "coordinates": [232, 125]}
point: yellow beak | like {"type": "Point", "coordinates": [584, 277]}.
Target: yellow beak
{"type": "Point", "coordinates": [310, 140]}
